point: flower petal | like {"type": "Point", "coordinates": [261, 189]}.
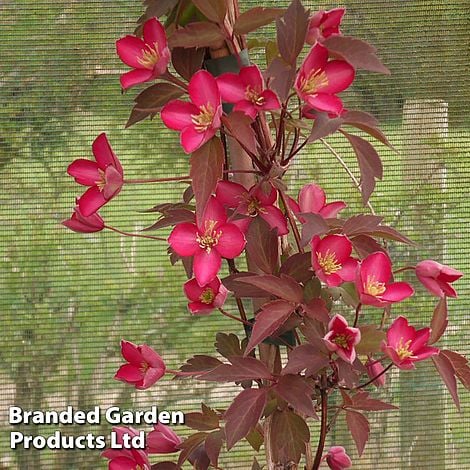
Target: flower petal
{"type": "Point", "coordinates": [154, 32]}
{"type": "Point", "coordinates": [104, 154]}
{"type": "Point", "coordinates": [113, 182]}
{"type": "Point", "coordinates": [214, 212]}
{"type": "Point", "coordinates": [378, 266]}
{"type": "Point", "coordinates": [340, 75]}
{"type": "Point", "coordinates": [191, 139]}
{"type": "Point", "coordinates": [271, 101]}
{"type": "Point", "coordinates": [203, 89]}
{"type": "Point", "coordinates": [246, 107]}
{"type": "Point", "coordinates": [332, 209]}
{"type": "Point", "coordinates": [230, 194]}
{"type": "Point", "coordinates": [152, 376]}
{"type": "Point", "coordinates": [183, 239]}
{"type": "Point", "coordinates": [231, 242]}
{"type": "Point", "coordinates": [128, 373]}
{"type": "Point", "coordinates": [192, 290]}
{"type": "Point", "coordinates": [84, 171]}
{"type": "Point", "coordinates": [315, 60]}
{"type": "Point", "coordinates": [397, 292]}
{"type": "Point", "coordinates": [130, 352]}
{"type": "Point", "coordinates": [324, 102]}
{"type": "Point", "coordinates": [348, 271]}
{"type": "Point", "coordinates": [176, 114]}
{"type": "Point", "coordinates": [232, 89]}
{"type": "Point", "coordinates": [91, 200]}
{"type": "Point", "coordinates": [275, 218]}
{"type": "Point", "coordinates": [266, 199]}
{"type": "Point", "coordinates": [340, 245]}
{"type": "Point", "coordinates": [251, 75]}
{"type": "Point", "coordinates": [134, 77]}
{"type": "Point", "coordinates": [129, 50]}
{"type": "Point", "coordinates": [206, 266]}
{"type": "Point", "coordinates": [312, 198]}
{"type": "Point", "coordinates": [152, 358]}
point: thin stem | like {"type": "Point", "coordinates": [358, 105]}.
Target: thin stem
{"type": "Point", "coordinates": [348, 171]}
{"type": "Point", "coordinates": [333, 419]}
{"type": "Point", "coordinates": [323, 425]}
{"type": "Point", "coordinates": [358, 311]}
{"type": "Point", "coordinates": [233, 317]}
{"type": "Point", "coordinates": [175, 80]}
{"type": "Point", "coordinates": [375, 378]}
{"type": "Point", "coordinates": [158, 180]}
{"type": "Point", "coordinates": [295, 152]}
{"type": "Point", "coordinates": [127, 234]}
{"type": "Point", "coordinates": [291, 218]}
{"type": "Point", "coordinates": [406, 268]}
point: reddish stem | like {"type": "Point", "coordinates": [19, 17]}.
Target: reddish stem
{"type": "Point", "coordinates": [406, 268]}
{"type": "Point", "coordinates": [323, 425]}
{"type": "Point", "coordinates": [127, 234]}
{"type": "Point", "coordinates": [375, 378]}
{"type": "Point", "coordinates": [290, 216]}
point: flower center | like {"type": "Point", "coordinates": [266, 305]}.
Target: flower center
{"type": "Point", "coordinates": [144, 367]}
{"type": "Point", "coordinates": [403, 350]}
{"type": "Point", "coordinates": [341, 340]}
{"type": "Point", "coordinates": [254, 207]}
{"type": "Point", "coordinates": [315, 80]}
{"type": "Point", "coordinates": [328, 262]}
{"type": "Point", "coordinates": [203, 120]}
{"type": "Point", "coordinates": [374, 287]}
{"type": "Point", "coordinates": [150, 56]}
{"type": "Point", "coordinates": [207, 296]}
{"type": "Point", "coordinates": [101, 183]}
{"type": "Point", "coordinates": [210, 237]}
{"type": "Point", "coordinates": [253, 95]}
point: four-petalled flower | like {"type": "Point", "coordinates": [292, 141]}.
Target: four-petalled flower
{"type": "Point", "coordinates": [437, 277]}
{"type": "Point", "coordinates": [342, 338]}
{"type": "Point", "coordinates": [79, 223]}
{"type": "Point", "coordinates": [204, 299]}
{"type": "Point", "coordinates": [162, 440]}
{"type": "Point", "coordinates": [324, 24]}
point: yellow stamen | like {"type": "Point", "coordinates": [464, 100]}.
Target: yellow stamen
{"type": "Point", "coordinates": [254, 207]}
{"type": "Point", "coordinates": [328, 263]}
{"type": "Point", "coordinates": [314, 81]}
{"type": "Point", "coordinates": [203, 120]}
{"type": "Point", "coordinates": [150, 56]}
{"type": "Point", "coordinates": [403, 350]}
{"type": "Point", "coordinates": [101, 183]}
{"type": "Point", "coordinates": [374, 287]}
{"type": "Point", "coordinates": [144, 367]}
{"type": "Point", "coordinates": [207, 296]}
{"type": "Point", "coordinates": [254, 96]}
{"type": "Point", "coordinates": [341, 341]}
{"type": "Point", "coordinates": [210, 238]}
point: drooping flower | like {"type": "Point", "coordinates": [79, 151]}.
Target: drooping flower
{"type": "Point", "coordinates": [79, 223]}
{"type": "Point", "coordinates": [162, 440]}
{"type": "Point", "coordinates": [331, 259]}
{"type": "Point", "coordinates": [342, 338]}
{"type": "Point", "coordinates": [199, 120]}
{"type": "Point", "coordinates": [252, 203]}
{"type": "Point", "coordinates": [312, 199]}
{"type": "Point", "coordinates": [338, 459]}
{"type": "Point", "coordinates": [104, 176]}
{"type": "Point", "coordinates": [209, 240]}
{"type": "Point", "coordinates": [204, 299]}
{"type": "Point", "coordinates": [318, 80]}
{"type": "Point", "coordinates": [405, 345]}
{"type": "Point", "coordinates": [247, 91]}
{"type": "Point", "coordinates": [148, 57]}
{"type": "Point", "coordinates": [144, 367]}
{"type": "Point", "coordinates": [324, 24]}
{"type": "Point", "coordinates": [437, 277]}
{"type": "Point", "coordinates": [372, 282]}
{"type": "Point", "coordinates": [374, 368]}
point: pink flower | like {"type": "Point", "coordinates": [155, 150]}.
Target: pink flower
{"type": "Point", "coordinates": [246, 90]}
{"type": "Point", "coordinates": [372, 282]}
{"type": "Point", "coordinates": [324, 24]}
{"type": "Point", "coordinates": [437, 277]}
{"type": "Point", "coordinates": [144, 368]}
{"type": "Point", "coordinates": [312, 199]}
{"type": "Point", "coordinates": [331, 259]}
{"type": "Point", "coordinates": [337, 459]}
{"type": "Point", "coordinates": [405, 345]}
{"type": "Point", "coordinates": [252, 203]}
{"type": "Point", "coordinates": [162, 440]}
{"type": "Point", "coordinates": [148, 57]}
{"type": "Point", "coordinates": [199, 120]}
{"type": "Point", "coordinates": [81, 224]}
{"type": "Point", "coordinates": [318, 80]}
{"type": "Point", "coordinates": [209, 240]}
{"type": "Point", "coordinates": [374, 368]}
{"type": "Point", "coordinates": [204, 299]}
{"type": "Point", "coordinates": [105, 176]}
{"type": "Point", "coordinates": [342, 338]}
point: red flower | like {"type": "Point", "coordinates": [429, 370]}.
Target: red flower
{"type": "Point", "coordinates": [148, 57]}
{"type": "Point", "coordinates": [162, 440]}
{"type": "Point", "coordinates": [209, 240]}
{"type": "Point", "coordinates": [144, 368]}
{"type": "Point", "coordinates": [204, 299]}
{"type": "Point", "coordinates": [318, 80]}
{"type": "Point", "coordinates": [81, 224]}
{"type": "Point", "coordinates": [372, 282]}
{"type": "Point", "coordinates": [337, 459]}
{"type": "Point", "coordinates": [105, 176]}
{"type": "Point", "coordinates": [405, 345]}
{"type": "Point", "coordinates": [342, 338]}
{"type": "Point", "coordinates": [199, 120]}
{"type": "Point", "coordinates": [252, 203]}
{"type": "Point", "coordinates": [331, 259]}
{"type": "Point", "coordinates": [312, 199]}
{"type": "Point", "coordinates": [437, 277]}
{"type": "Point", "coordinates": [324, 24]}
{"type": "Point", "coordinates": [246, 90]}
{"type": "Point", "coordinates": [374, 368]}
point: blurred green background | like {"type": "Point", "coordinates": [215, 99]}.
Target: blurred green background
{"type": "Point", "coordinates": [67, 299]}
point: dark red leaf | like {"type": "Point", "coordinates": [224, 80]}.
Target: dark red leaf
{"type": "Point", "coordinates": [172, 218]}
{"type": "Point", "coordinates": [365, 245]}
{"type": "Point", "coordinates": [255, 437]}
{"type": "Point", "coordinates": [299, 266]}
{"type": "Point", "coordinates": [272, 316]}
{"type": "Point", "coordinates": [207, 165]}
{"type": "Point", "coordinates": [187, 61]}
{"type": "Point", "coordinates": [200, 363]}
{"type": "Point", "coordinates": [360, 117]}
{"type": "Point", "coordinates": [214, 10]}
{"type": "Point", "coordinates": [241, 289]}
{"type": "Point", "coordinates": [295, 390]}
{"type": "Point", "coordinates": [282, 77]}
{"type": "Point", "coordinates": [306, 356]}
{"type": "Point", "coordinates": [383, 231]}
{"type": "Point", "coordinates": [358, 53]}
{"type": "Point", "coordinates": [199, 34]}
{"type": "Point", "coordinates": [238, 124]}
{"type": "Point", "coordinates": [314, 331]}
{"type": "Point", "coordinates": [371, 339]}
{"type": "Point", "coordinates": [228, 345]}
{"type": "Point", "coordinates": [346, 374]}
{"type": "Point", "coordinates": [460, 364]}
{"type": "Point", "coordinates": [243, 414]}
{"type": "Point", "coordinates": [262, 245]}
{"type": "Point", "coordinates": [323, 126]}
{"type": "Point", "coordinates": [317, 310]}
{"type": "Point", "coordinates": [447, 372]}
{"type": "Point", "coordinates": [255, 18]}
{"type": "Point", "coordinates": [165, 466]}
{"type": "Point", "coordinates": [359, 428]}
{"type": "Point", "coordinates": [439, 321]}
{"type": "Point", "coordinates": [256, 465]}
{"type": "Point", "coordinates": [361, 401]}
{"type": "Point", "coordinates": [242, 368]}
{"type": "Point", "coordinates": [202, 421]}
{"type": "Point", "coordinates": [213, 445]}
{"type": "Point", "coordinates": [284, 287]}
{"type": "Point", "coordinates": [189, 445]}
{"type": "Point", "coordinates": [360, 224]}
{"type": "Point", "coordinates": [158, 7]}
{"type": "Point", "coordinates": [314, 225]}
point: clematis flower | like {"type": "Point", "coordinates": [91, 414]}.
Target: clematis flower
{"type": "Point", "coordinates": [79, 223]}
{"type": "Point", "coordinates": [252, 203]}
{"type": "Point", "coordinates": [318, 80]}
{"type": "Point", "coordinates": [342, 338]}
{"type": "Point", "coordinates": [331, 259]}
{"type": "Point", "coordinates": [405, 345]}
{"type": "Point", "coordinates": [104, 176]}
{"type": "Point", "coordinates": [144, 367]}
{"type": "Point", "coordinates": [324, 24]}
{"type": "Point", "coordinates": [148, 57]}
{"type": "Point", "coordinates": [437, 277]}
{"type": "Point", "coordinates": [199, 120]}
{"type": "Point", "coordinates": [312, 199]}
{"type": "Point", "coordinates": [337, 458]}
{"type": "Point", "coordinates": [374, 368]}
{"type": "Point", "coordinates": [204, 299]}
{"type": "Point", "coordinates": [162, 440]}
{"type": "Point", "coordinates": [246, 90]}
{"type": "Point", "coordinates": [209, 240]}
{"type": "Point", "coordinates": [127, 459]}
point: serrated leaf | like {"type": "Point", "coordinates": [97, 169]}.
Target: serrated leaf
{"type": "Point", "coordinates": [362, 401]}
{"type": "Point", "coordinates": [241, 289]}
{"type": "Point", "coordinates": [346, 374]}
{"type": "Point", "coordinates": [360, 224]}
{"type": "Point", "coordinates": [272, 316]}
{"type": "Point", "coordinates": [207, 165]}
{"type": "Point", "coordinates": [199, 34]}
{"type": "Point", "coordinates": [242, 368]}
{"type": "Point", "coordinates": [324, 126]}
{"type": "Point", "coordinates": [447, 372]}
{"type": "Point", "coordinates": [359, 428]}
{"type": "Point", "coordinates": [187, 61]}
{"type": "Point", "coordinates": [383, 231]}
{"type": "Point", "coordinates": [200, 363]}
{"type": "Point", "coordinates": [243, 414]}
{"type": "Point", "coordinates": [172, 218]}
{"type": "Point", "coordinates": [255, 437]}
{"type": "Point", "coordinates": [371, 339]}
{"type": "Point", "coordinates": [295, 390]}
{"type": "Point", "coordinates": [228, 345]}
{"type": "Point", "coordinates": [213, 445]}
{"type": "Point", "coordinates": [238, 124]}
{"type": "Point", "coordinates": [165, 466]}
{"type": "Point", "coordinates": [255, 18]}
{"type": "Point", "coordinates": [214, 10]}
{"type": "Point", "coordinates": [317, 310]}
{"type": "Point", "coordinates": [256, 465]}
{"type": "Point", "coordinates": [282, 77]}
{"type": "Point", "coordinates": [460, 364]}
{"type": "Point", "coordinates": [306, 356]}
{"type": "Point", "coordinates": [365, 245]}
{"type": "Point", "coordinates": [189, 445]}
{"type": "Point", "coordinates": [314, 224]}
{"type": "Point", "coordinates": [298, 266]}
{"type": "Point", "coordinates": [206, 420]}
{"type": "Point", "coordinates": [439, 321]}
{"type": "Point", "coordinates": [284, 287]}
{"type": "Point", "coordinates": [262, 245]}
